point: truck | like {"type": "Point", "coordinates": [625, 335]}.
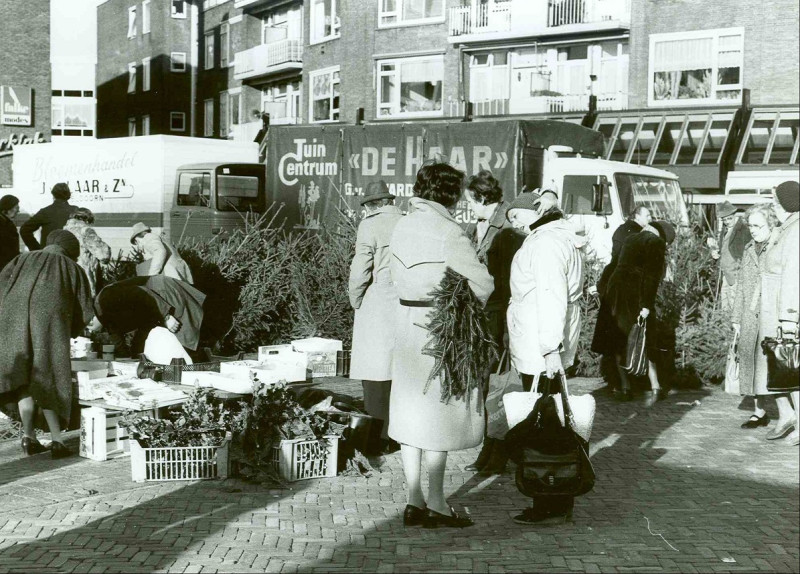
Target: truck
{"type": "Point", "coordinates": [184, 187]}
{"type": "Point", "coordinates": [319, 171]}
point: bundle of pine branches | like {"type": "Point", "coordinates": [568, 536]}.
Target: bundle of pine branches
{"type": "Point", "coordinates": [460, 341]}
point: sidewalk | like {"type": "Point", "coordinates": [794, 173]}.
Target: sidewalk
{"type": "Point", "coordinates": [680, 488]}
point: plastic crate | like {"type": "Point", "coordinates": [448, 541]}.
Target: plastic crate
{"type": "Point", "coordinates": [162, 464]}
{"type": "Point", "coordinates": [173, 372]}
{"type": "Point", "coordinates": [300, 459]}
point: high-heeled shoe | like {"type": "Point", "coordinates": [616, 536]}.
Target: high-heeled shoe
{"type": "Point", "coordinates": [31, 446]}
{"type": "Point", "coordinates": [59, 450]}
{"type": "Point", "coordinates": [435, 519]}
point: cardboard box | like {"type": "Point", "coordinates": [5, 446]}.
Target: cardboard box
{"type": "Point", "coordinates": [228, 383]}
{"type": "Point", "coordinates": [293, 365]}
{"type": "Point", "coordinates": [320, 354]}
{"type": "Point", "coordinates": [268, 372]}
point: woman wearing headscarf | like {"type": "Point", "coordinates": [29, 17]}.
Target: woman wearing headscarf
{"type": "Point", "coordinates": [631, 293]}
{"type": "Point", "coordinates": [44, 301]}
{"type": "Point", "coordinates": [9, 236]}
{"type": "Point", "coordinates": [161, 257]}
{"type": "Point", "coordinates": [424, 244]}
{"type": "Point", "coordinates": [760, 220]}
{"type": "Point", "coordinates": [142, 303]}
{"type": "Point", "coordinates": [94, 251]}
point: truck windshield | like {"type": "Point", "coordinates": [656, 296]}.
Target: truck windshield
{"type": "Point", "coordinates": [194, 189]}
{"type": "Point", "coordinates": [577, 195]}
{"type": "Point", "coordinates": [661, 196]}
{"type": "Point", "coordinates": [238, 193]}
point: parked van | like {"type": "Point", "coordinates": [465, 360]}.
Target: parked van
{"type": "Point", "coordinates": [744, 188]}
{"type": "Point", "coordinates": [185, 187]}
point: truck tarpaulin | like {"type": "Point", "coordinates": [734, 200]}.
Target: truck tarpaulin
{"type": "Point", "coordinates": [305, 173]}
{"type": "Point", "coordinates": [546, 133]}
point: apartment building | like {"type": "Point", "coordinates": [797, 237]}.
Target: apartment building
{"type": "Point", "coordinates": [47, 82]}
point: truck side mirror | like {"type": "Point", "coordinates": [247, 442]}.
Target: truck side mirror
{"type": "Point", "coordinates": [599, 191]}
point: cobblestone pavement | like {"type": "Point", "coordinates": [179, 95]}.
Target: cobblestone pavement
{"type": "Point", "coordinates": [679, 488]}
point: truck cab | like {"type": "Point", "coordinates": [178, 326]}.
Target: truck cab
{"type": "Point", "coordinates": [597, 195]}
{"type": "Point", "coordinates": [215, 198]}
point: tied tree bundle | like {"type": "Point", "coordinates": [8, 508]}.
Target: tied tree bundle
{"type": "Point", "coordinates": [460, 342]}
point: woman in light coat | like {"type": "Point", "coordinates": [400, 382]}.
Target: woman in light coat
{"type": "Point", "coordinates": [94, 251]}
{"type": "Point", "coordinates": [761, 220]}
{"type": "Point", "coordinates": [780, 295]}
{"type": "Point", "coordinates": [161, 257]}
{"type": "Point", "coordinates": [374, 299]}
{"type": "Point", "coordinates": [425, 243]}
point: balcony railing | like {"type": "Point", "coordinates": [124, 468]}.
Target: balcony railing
{"type": "Point", "coordinates": [245, 132]}
{"type": "Point", "coordinates": [268, 58]}
{"type": "Point", "coordinates": [540, 105]}
{"type": "Point", "coordinates": [566, 12]}
{"type": "Point", "coordinates": [279, 113]}
{"type": "Point", "coordinates": [480, 19]}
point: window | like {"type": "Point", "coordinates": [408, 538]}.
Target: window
{"type": "Point", "coordinates": [282, 102]}
{"type": "Point", "coordinates": [488, 77]}
{"type": "Point", "coordinates": [208, 116]}
{"type": "Point", "coordinates": [661, 196]}
{"type": "Point", "coordinates": [324, 20]}
{"type": "Point", "coordinates": [177, 62]}
{"type": "Point", "coordinates": [399, 12]}
{"type": "Point", "coordinates": [145, 125]}
{"type": "Point", "coordinates": [209, 59]}
{"type": "Point", "coordinates": [177, 121]}
{"type": "Point", "coordinates": [72, 115]}
{"type": "Point", "coordinates": [146, 75]}
{"type": "Point", "coordinates": [696, 67]}
{"type": "Point", "coordinates": [132, 78]}
{"type": "Point", "coordinates": [410, 86]}
{"type": "Point", "coordinates": [224, 45]}
{"type": "Point", "coordinates": [237, 193]}
{"type": "Point", "coordinates": [194, 189]}
{"type": "Point", "coordinates": [324, 95]}
{"type": "Point", "coordinates": [224, 120]}
{"type": "Point", "coordinates": [178, 9]}
{"type": "Point", "coordinates": [131, 127]}
{"type": "Point", "coordinates": [132, 22]}
{"type": "Point", "coordinates": [146, 17]}
{"type": "Point", "coordinates": [577, 195]}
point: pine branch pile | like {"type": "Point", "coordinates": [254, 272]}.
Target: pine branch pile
{"type": "Point", "coordinates": [460, 342]}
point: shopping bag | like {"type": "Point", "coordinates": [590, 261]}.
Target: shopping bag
{"type": "Point", "coordinates": [783, 363]}
{"type": "Point", "coordinates": [636, 352]}
{"type": "Point", "coordinates": [505, 380]}
{"type": "Point", "coordinates": [732, 367]}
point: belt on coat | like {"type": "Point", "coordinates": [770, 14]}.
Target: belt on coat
{"type": "Point", "coordinates": [408, 303]}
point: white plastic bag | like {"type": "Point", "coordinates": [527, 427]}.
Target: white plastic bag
{"type": "Point", "coordinates": [162, 346]}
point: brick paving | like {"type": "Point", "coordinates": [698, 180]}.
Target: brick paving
{"type": "Point", "coordinates": [679, 489]}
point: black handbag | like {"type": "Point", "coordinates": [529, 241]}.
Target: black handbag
{"type": "Point", "coordinates": [783, 363]}
{"type": "Point", "coordinates": [551, 459]}
{"type": "Point", "coordinates": [636, 350]}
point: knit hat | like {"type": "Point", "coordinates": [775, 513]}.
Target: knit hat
{"type": "Point", "coordinates": [525, 200]}
{"type": "Point", "coordinates": [66, 241]}
{"type": "Point", "coordinates": [788, 196]}
{"type": "Point", "coordinates": [725, 209]}
{"type": "Point", "coordinates": [137, 229]}
{"type": "Point", "coordinates": [665, 230]}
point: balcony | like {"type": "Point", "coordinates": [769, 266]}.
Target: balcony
{"type": "Point", "coordinates": [280, 114]}
{"type": "Point", "coordinates": [567, 103]}
{"type": "Point", "coordinates": [513, 19]}
{"type": "Point", "coordinates": [251, 4]}
{"type": "Point", "coordinates": [267, 59]}
{"type": "Point", "coordinates": [245, 132]}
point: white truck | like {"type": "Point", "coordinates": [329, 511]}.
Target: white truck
{"type": "Point", "coordinates": [188, 187]}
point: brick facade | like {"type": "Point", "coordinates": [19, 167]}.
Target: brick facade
{"type": "Point", "coordinates": [25, 63]}
{"type": "Point", "coordinates": [771, 38]}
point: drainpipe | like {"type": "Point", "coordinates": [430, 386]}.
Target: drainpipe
{"type": "Point", "coordinates": [194, 49]}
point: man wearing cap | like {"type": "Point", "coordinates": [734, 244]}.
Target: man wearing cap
{"type": "Point", "coordinates": [373, 296]}
{"type": "Point", "coordinates": [49, 218]}
{"type": "Point", "coordinates": [780, 294]}
{"type": "Point", "coordinates": [161, 256]}
{"type": "Point", "coordinates": [735, 235]}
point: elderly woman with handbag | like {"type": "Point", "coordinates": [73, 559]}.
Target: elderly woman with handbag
{"type": "Point", "coordinates": [761, 220]}
{"type": "Point", "coordinates": [425, 243]}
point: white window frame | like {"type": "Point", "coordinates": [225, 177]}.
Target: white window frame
{"type": "Point", "coordinates": [208, 118]}
{"type": "Point", "coordinates": [334, 111]}
{"type": "Point", "coordinates": [132, 77]}
{"type": "Point", "coordinates": [145, 17]}
{"type": "Point", "coordinates": [131, 22]}
{"type": "Point", "coordinates": [292, 98]}
{"type": "Point", "coordinates": [131, 127]}
{"type": "Point", "coordinates": [379, 75]}
{"type": "Point", "coordinates": [175, 65]}
{"type": "Point", "coordinates": [382, 15]}
{"type": "Point", "coordinates": [146, 125]}
{"type": "Point", "coordinates": [225, 46]}
{"type": "Point", "coordinates": [209, 45]}
{"type": "Point", "coordinates": [177, 115]}
{"type": "Point", "coordinates": [713, 100]}
{"type": "Point", "coordinates": [58, 116]}
{"type": "Point", "coordinates": [336, 27]}
{"type": "Point", "coordinates": [174, 13]}
{"type": "Point", "coordinates": [146, 74]}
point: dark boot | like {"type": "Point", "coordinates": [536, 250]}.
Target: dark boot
{"type": "Point", "coordinates": [483, 456]}
{"type": "Point", "coordinates": [498, 459]}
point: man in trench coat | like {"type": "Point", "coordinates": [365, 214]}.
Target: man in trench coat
{"type": "Point", "coordinates": [373, 296]}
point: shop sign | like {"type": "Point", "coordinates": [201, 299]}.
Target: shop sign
{"type": "Point", "coordinates": [16, 106]}
{"type": "Point", "coordinates": [7, 144]}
